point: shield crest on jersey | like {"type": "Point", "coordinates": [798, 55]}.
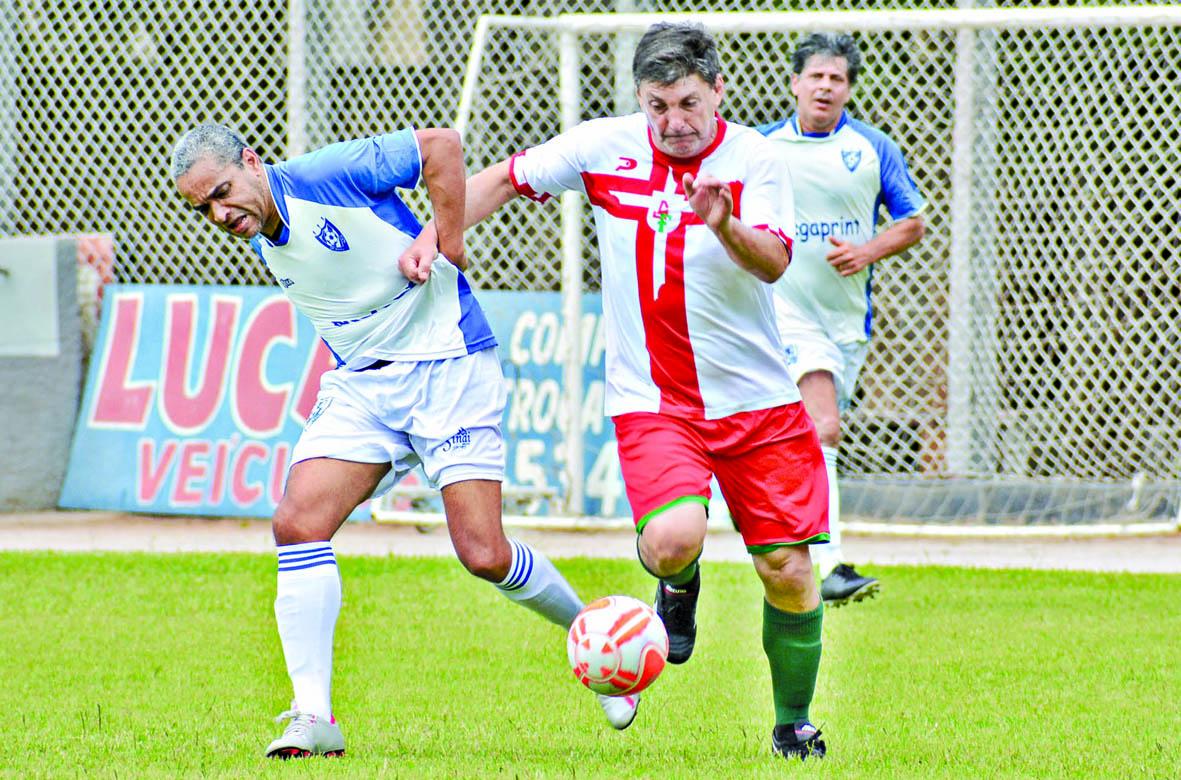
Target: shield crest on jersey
{"type": "Point", "coordinates": [330, 236]}
{"type": "Point", "coordinates": [852, 158]}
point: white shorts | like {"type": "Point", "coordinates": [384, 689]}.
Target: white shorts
{"type": "Point", "coordinates": [444, 414]}
{"type": "Point", "coordinates": [807, 348]}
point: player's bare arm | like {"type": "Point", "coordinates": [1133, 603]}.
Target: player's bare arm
{"type": "Point", "coordinates": [847, 258]}
{"type": "Point", "coordinates": [486, 191]}
{"type": "Point", "coordinates": [755, 251]}
{"type": "Point", "coordinates": [442, 171]}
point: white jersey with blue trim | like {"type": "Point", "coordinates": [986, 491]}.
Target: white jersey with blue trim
{"type": "Point", "coordinates": [841, 180]}
{"type": "Point", "coordinates": [344, 227]}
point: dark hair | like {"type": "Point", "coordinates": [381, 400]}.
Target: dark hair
{"type": "Point", "coordinates": [669, 52]}
{"type": "Point", "coordinates": [828, 45]}
{"type": "Point", "coordinates": [216, 142]}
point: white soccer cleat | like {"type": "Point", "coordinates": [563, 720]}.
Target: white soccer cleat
{"type": "Point", "coordinates": [621, 710]}
{"type": "Point", "coordinates": [307, 735]}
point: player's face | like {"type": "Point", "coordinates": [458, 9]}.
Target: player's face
{"type": "Point", "coordinates": [233, 197]}
{"type": "Point", "coordinates": [682, 115]}
{"type": "Point", "coordinates": [822, 90]}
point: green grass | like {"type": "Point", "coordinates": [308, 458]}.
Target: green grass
{"type": "Point", "coordinates": [169, 665]}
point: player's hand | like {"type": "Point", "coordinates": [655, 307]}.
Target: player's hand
{"type": "Point", "coordinates": [415, 263]}
{"type": "Point", "coordinates": [847, 259]}
{"type": "Point", "coordinates": [710, 198]}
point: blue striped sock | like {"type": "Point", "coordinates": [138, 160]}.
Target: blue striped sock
{"type": "Point", "coordinates": [293, 557]}
{"type": "Point", "coordinates": [533, 582]}
{"type": "Point", "coordinates": [307, 603]}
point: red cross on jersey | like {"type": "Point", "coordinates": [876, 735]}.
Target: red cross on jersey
{"type": "Point", "coordinates": [689, 333]}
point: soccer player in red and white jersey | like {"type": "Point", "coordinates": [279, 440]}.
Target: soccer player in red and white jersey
{"type": "Point", "coordinates": [693, 217]}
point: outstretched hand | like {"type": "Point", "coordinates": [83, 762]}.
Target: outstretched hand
{"type": "Point", "coordinates": [710, 198]}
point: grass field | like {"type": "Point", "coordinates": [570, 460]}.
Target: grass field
{"type": "Point", "coordinates": [168, 665]}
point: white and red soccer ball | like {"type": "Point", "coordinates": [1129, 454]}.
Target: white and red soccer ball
{"type": "Point", "coordinates": [617, 646]}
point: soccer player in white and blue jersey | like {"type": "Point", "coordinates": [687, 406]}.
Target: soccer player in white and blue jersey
{"type": "Point", "coordinates": [418, 380]}
{"type": "Point", "coordinates": [843, 172]}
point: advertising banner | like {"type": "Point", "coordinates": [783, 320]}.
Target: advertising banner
{"type": "Point", "coordinates": [197, 394]}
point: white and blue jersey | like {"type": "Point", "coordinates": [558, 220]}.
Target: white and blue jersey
{"type": "Point", "coordinates": [841, 180]}
{"type": "Point", "coordinates": [344, 228]}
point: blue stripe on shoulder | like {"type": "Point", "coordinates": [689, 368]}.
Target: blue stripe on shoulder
{"type": "Point", "coordinates": [363, 173]}
{"type": "Point", "coordinates": [899, 193]}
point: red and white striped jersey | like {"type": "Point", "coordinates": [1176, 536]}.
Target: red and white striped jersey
{"type": "Point", "coordinates": [689, 333]}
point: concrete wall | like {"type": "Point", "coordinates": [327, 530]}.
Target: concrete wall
{"type": "Point", "coordinates": [40, 368]}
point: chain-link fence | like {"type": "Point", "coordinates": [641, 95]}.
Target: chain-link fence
{"type": "Point", "coordinates": [1050, 382]}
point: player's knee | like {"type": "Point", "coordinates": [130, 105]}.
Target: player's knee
{"type": "Point", "coordinates": [668, 553]}
{"type": "Point", "coordinates": [486, 562]}
{"type": "Point", "coordinates": [293, 524]}
{"type": "Point", "coordinates": [790, 576]}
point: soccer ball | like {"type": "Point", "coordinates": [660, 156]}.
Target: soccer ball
{"type": "Point", "coordinates": [617, 645]}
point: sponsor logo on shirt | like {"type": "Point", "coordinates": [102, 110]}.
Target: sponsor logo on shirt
{"type": "Point", "coordinates": [852, 158]}
{"type": "Point", "coordinates": [626, 164]}
{"type": "Point", "coordinates": [330, 236]}
{"type": "Point", "coordinates": [285, 282]}
{"type": "Point", "coordinates": [457, 442]}
{"type": "Point", "coordinates": [790, 354]}
{"type": "Point", "coordinates": [806, 231]}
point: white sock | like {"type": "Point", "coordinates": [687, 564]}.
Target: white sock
{"type": "Point", "coordinates": [827, 556]}
{"type": "Point", "coordinates": [533, 582]}
{"type": "Point", "coordinates": [307, 602]}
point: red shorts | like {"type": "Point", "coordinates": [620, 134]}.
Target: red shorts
{"type": "Point", "coordinates": [767, 462]}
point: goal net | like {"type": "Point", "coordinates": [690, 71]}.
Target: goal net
{"type": "Point", "coordinates": [1023, 367]}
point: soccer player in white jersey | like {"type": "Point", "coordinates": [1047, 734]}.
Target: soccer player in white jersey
{"type": "Point", "coordinates": [418, 380]}
{"type": "Point", "coordinates": [842, 171]}
{"type": "Point", "coordinates": [693, 217]}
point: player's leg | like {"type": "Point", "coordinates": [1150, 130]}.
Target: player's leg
{"type": "Point", "coordinates": [824, 396]}
{"type": "Point", "coordinates": [344, 455]}
{"type": "Point", "coordinates": [826, 374]}
{"type": "Point", "coordinates": [793, 616]}
{"type": "Point", "coordinates": [519, 571]}
{"type": "Point", "coordinates": [771, 473]}
{"type": "Point", "coordinates": [669, 546]}
{"type": "Point", "coordinates": [818, 390]}
{"type": "Point", "coordinates": [666, 473]}
{"type": "Point", "coordinates": [466, 459]}
{"type": "Point", "coordinates": [455, 429]}
{"type": "Point", "coordinates": [320, 494]}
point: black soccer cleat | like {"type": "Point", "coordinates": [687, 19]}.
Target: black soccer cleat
{"type": "Point", "coordinates": [844, 584]}
{"type": "Point", "coordinates": [677, 607]}
{"type": "Point", "coordinates": [799, 740]}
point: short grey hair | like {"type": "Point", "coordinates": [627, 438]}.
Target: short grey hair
{"type": "Point", "coordinates": [669, 52]}
{"type": "Point", "coordinates": [209, 141]}
{"type": "Point", "coordinates": [828, 45]}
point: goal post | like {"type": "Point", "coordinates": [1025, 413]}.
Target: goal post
{"type": "Point", "coordinates": [1020, 375]}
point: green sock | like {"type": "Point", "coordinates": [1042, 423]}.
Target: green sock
{"type": "Point", "coordinates": [791, 641]}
